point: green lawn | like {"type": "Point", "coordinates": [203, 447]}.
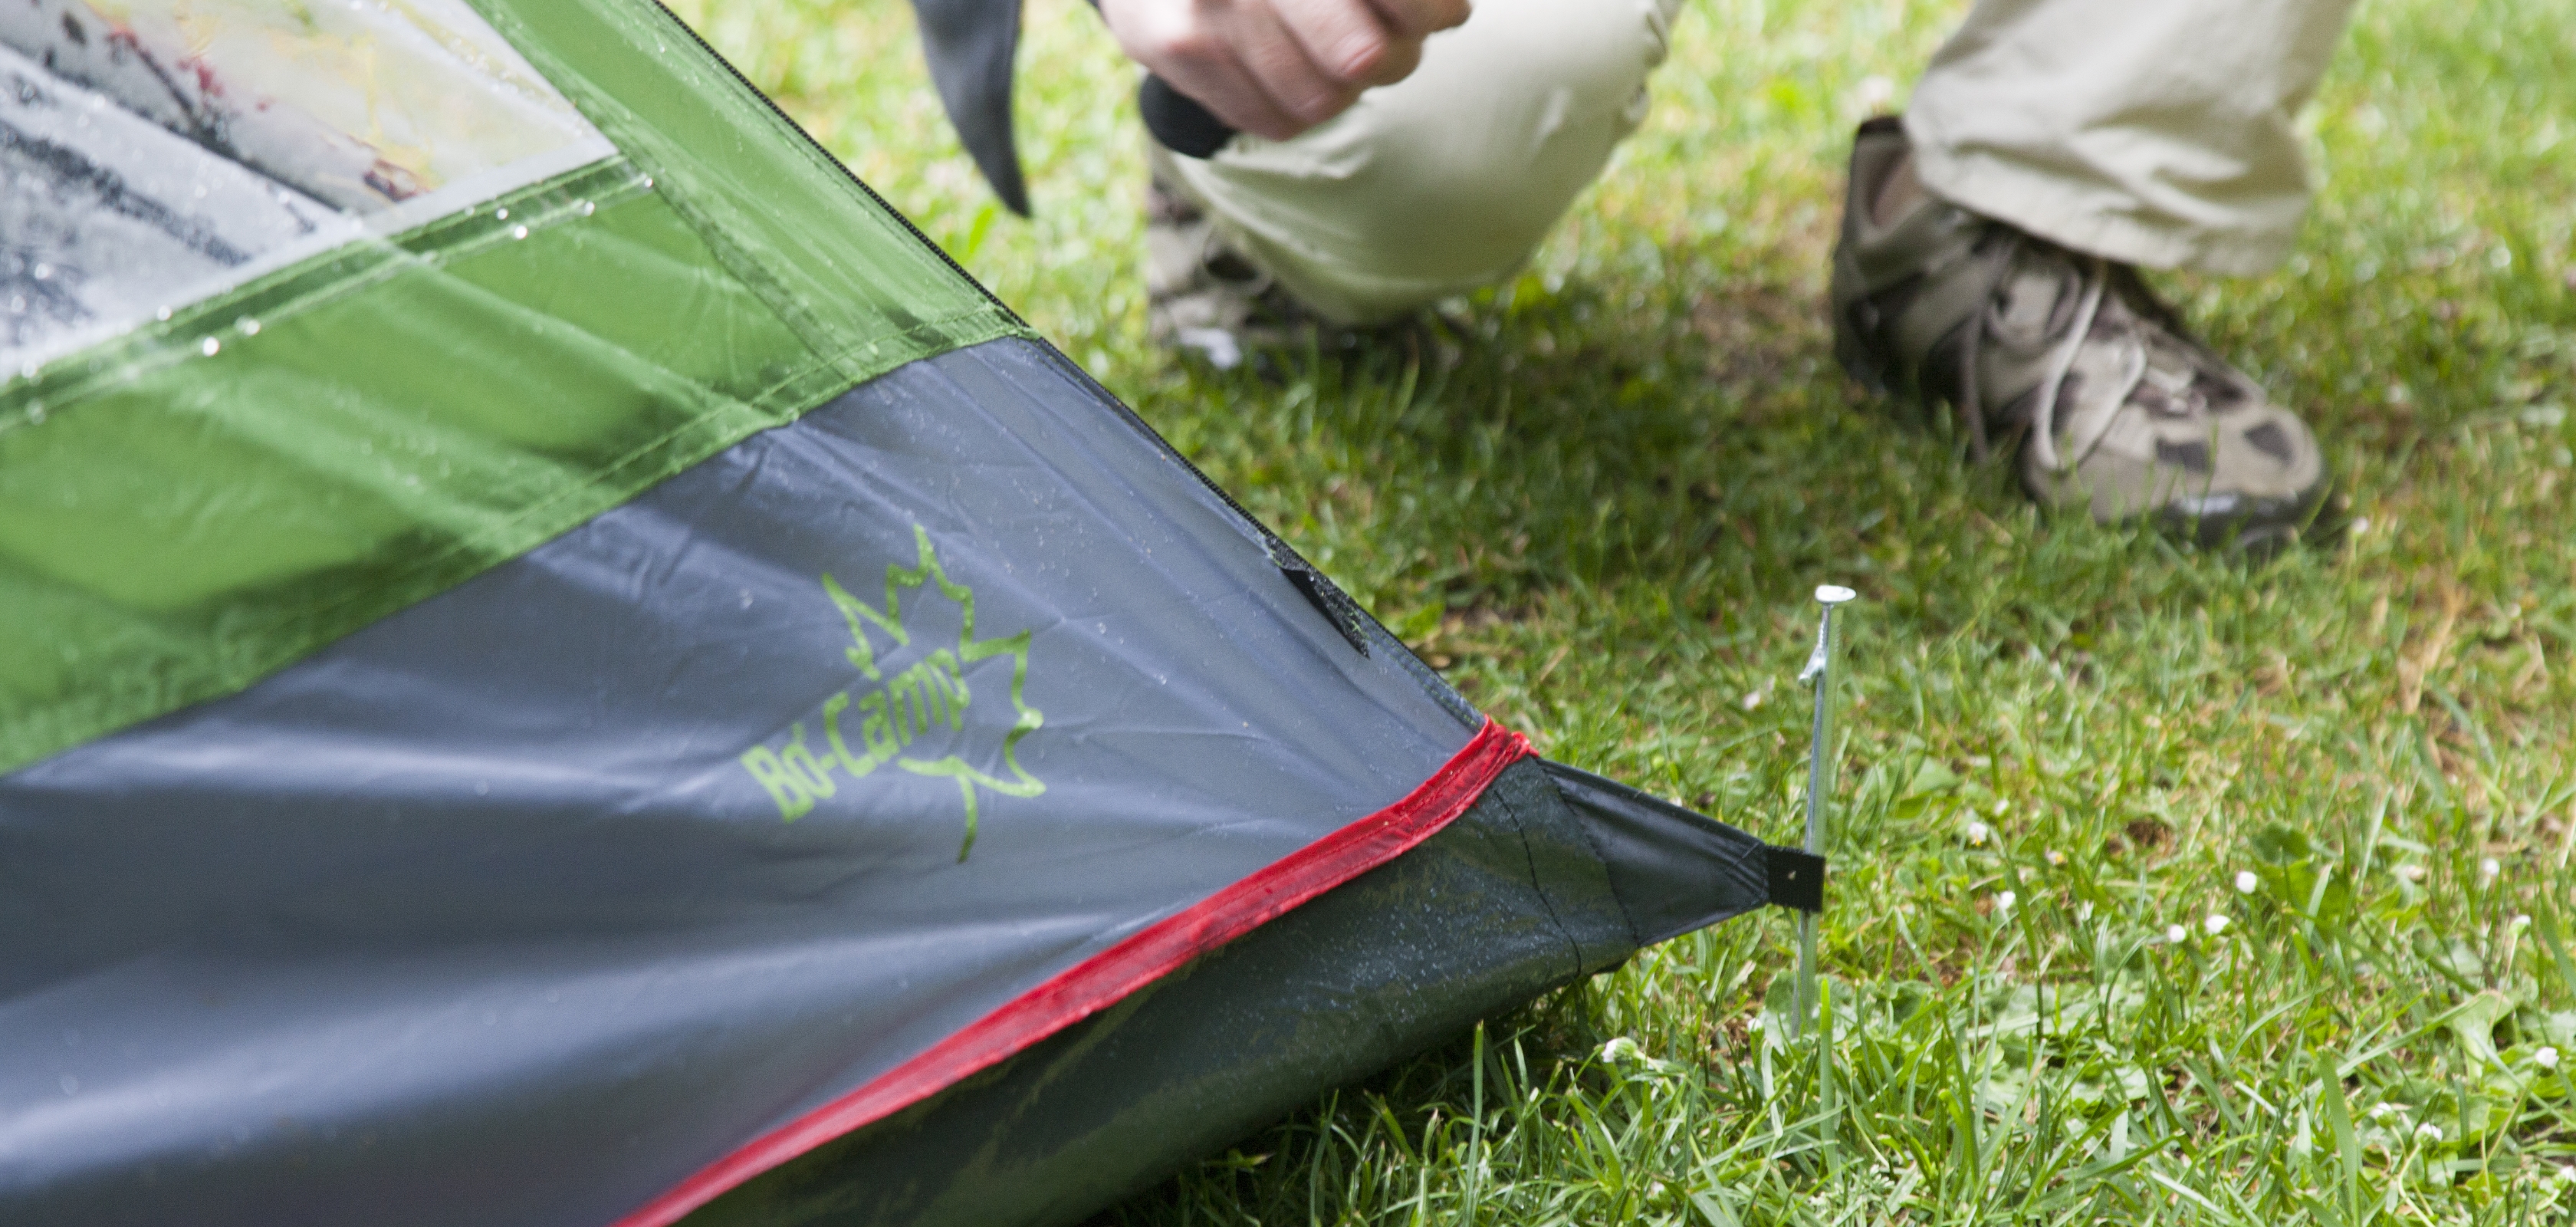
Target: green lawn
{"type": "Point", "coordinates": [1599, 507]}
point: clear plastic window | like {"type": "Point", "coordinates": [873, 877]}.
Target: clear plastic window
{"type": "Point", "coordinates": [154, 152]}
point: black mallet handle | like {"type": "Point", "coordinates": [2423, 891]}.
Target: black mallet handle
{"type": "Point", "coordinates": [1179, 122]}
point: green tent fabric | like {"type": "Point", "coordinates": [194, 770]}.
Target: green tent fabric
{"type": "Point", "coordinates": [566, 666]}
{"type": "Point", "coordinates": [205, 503]}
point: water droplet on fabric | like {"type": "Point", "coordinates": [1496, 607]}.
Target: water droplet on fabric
{"type": "Point", "coordinates": [503, 214]}
{"type": "Point", "coordinates": [249, 327]}
{"type": "Point", "coordinates": [209, 346]}
{"type": "Point", "coordinates": [587, 208]}
{"type": "Point", "coordinates": [162, 314]}
{"type": "Point", "coordinates": [648, 181]}
{"type": "Point", "coordinates": [518, 232]}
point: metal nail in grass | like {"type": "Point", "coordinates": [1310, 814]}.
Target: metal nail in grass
{"type": "Point", "coordinates": [2054, 742]}
{"type": "Point", "coordinates": [1820, 671]}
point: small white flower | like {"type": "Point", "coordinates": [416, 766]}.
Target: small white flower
{"type": "Point", "coordinates": [1621, 1049]}
{"type": "Point", "coordinates": [2246, 881]}
{"type": "Point", "coordinates": [2214, 924]}
{"type": "Point", "coordinates": [2429, 1131]}
{"type": "Point", "coordinates": [2545, 1057]}
{"type": "Point", "coordinates": [2520, 923]}
{"type": "Point", "coordinates": [1756, 1024]}
{"type": "Point", "coordinates": [1978, 832]}
{"type": "Point", "coordinates": [2487, 871]}
{"type": "Point", "coordinates": [2382, 1111]}
{"type": "Point", "coordinates": [2174, 934]}
{"type": "Point", "coordinates": [2004, 901]}
{"type": "Point", "coordinates": [2002, 808]}
{"type": "Point", "coordinates": [2056, 857]}
{"type": "Point", "coordinates": [2412, 873]}
{"type": "Point", "coordinates": [1753, 698]}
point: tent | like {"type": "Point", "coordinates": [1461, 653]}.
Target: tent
{"type": "Point", "coordinates": [564, 666]}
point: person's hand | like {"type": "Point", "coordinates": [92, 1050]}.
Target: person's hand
{"type": "Point", "coordinates": [1275, 68]}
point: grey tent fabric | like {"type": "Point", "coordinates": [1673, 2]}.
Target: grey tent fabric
{"type": "Point", "coordinates": [848, 769]}
{"type": "Point", "coordinates": [498, 892]}
{"type": "Point", "coordinates": [1503, 905]}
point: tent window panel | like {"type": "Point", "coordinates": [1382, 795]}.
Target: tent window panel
{"type": "Point", "coordinates": [365, 105]}
{"type": "Point", "coordinates": [180, 147]}
{"type": "Point", "coordinates": [106, 218]}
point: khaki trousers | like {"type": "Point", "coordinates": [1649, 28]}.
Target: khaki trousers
{"type": "Point", "coordinates": [2154, 132]}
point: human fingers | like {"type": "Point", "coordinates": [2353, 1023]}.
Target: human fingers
{"type": "Point", "coordinates": [1402, 56]}
{"type": "Point", "coordinates": [1370, 42]}
{"type": "Point", "coordinates": [1194, 47]}
{"type": "Point", "coordinates": [1348, 40]}
{"type": "Point", "coordinates": [1311, 56]}
{"type": "Point", "coordinates": [1420, 19]}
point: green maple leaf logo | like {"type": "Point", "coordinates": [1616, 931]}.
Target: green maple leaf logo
{"type": "Point", "coordinates": [900, 710]}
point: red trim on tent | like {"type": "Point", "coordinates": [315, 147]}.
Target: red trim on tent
{"type": "Point", "coordinates": [1101, 980]}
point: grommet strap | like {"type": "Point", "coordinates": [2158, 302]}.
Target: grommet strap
{"type": "Point", "coordinates": [1796, 878]}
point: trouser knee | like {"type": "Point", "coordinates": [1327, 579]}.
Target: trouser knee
{"type": "Point", "coordinates": [1449, 179]}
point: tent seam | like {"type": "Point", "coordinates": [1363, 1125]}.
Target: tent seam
{"type": "Point", "coordinates": [1538, 884]}
{"type": "Point", "coordinates": [1592, 842]}
{"type": "Point", "coordinates": [1106, 978]}
{"type": "Point", "coordinates": [282, 294]}
{"type": "Point", "coordinates": [468, 555]}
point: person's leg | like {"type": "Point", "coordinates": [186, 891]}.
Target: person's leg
{"type": "Point", "coordinates": [1445, 181]}
{"type": "Point", "coordinates": [1989, 240]}
{"type": "Point", "coordinates": [2161, 134]}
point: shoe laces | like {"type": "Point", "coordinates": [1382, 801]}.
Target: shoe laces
{"type": "Point", "coordinates": [2094, 277]}
{"type": "Point", "coordinates": [2097, 283]}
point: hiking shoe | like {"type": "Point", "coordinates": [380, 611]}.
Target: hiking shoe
{"type": "Point", "coordinates": [1203, 297]}
{"type": "Point", "coordinates": [2114, 406]}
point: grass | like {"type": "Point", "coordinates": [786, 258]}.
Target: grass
{"type": "Point", "coordinates": [1600, 504]}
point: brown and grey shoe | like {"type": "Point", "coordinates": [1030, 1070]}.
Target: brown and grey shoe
{"type": "Point", "coordinates": [2114, 406]}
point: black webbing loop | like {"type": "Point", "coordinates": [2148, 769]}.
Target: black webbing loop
{"type": "Point", "coordinates": [1796, 878]}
